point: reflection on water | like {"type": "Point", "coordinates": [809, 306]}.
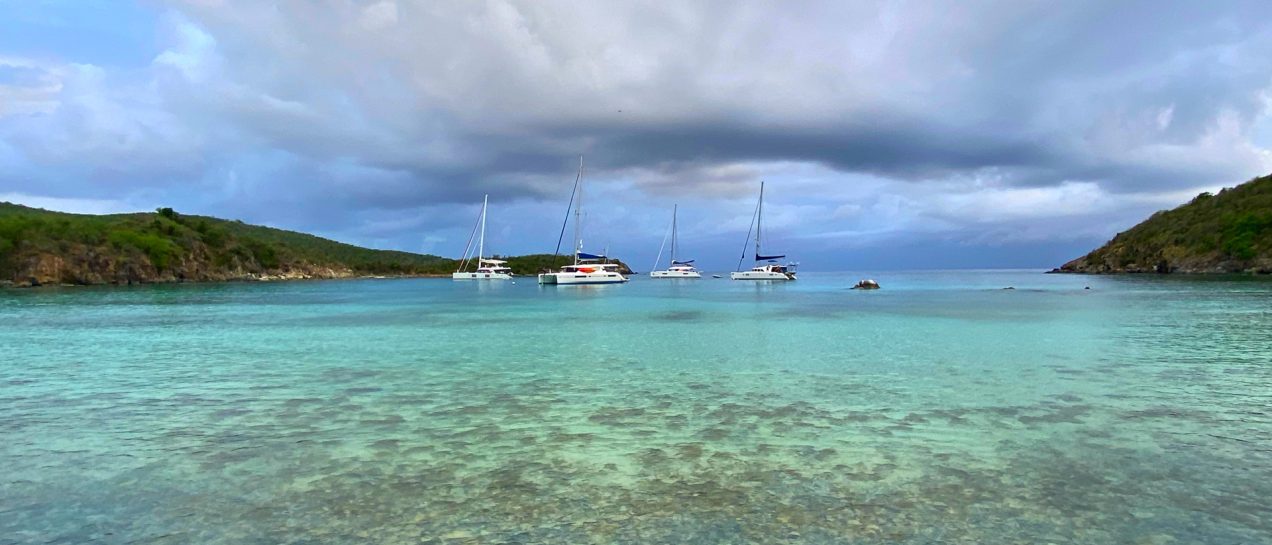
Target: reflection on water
{"type": "Point", "coordinates": [937, 410]}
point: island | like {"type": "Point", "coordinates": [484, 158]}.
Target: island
{"type": "Point", "coordinates": [1223, 233]}
{"type": "Point", "coordinates": [42, 247]}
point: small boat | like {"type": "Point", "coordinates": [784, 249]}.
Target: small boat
{"type": "Point", "coordinates": [766, 266]}
{"type": "Point", "coordinates": [716, 276]}
{"type": "Point", "coordinates": [587, 268]}
{"type": "Point", "coordinates": [677, 268]}
{"type": "Point", "coordinates": [487, 269]}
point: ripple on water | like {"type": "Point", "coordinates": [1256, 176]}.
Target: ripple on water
{"type": "Point", "coordinates": [821, 429]}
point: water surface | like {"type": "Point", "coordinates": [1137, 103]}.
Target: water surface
{"type": "Point", "coordinates": [940, 409]}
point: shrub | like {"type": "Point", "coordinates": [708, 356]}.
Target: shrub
{"type": "Point", "coordinates": [160, 250]}
{"type": "Point", "coordinates": [264, 254]}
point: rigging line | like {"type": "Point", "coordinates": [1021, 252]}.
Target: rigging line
{"type": "Point", "coordinates": [748, 235]}
{"type": "Point", "coordinates": [567, 212]}
{"type": "Point", "coordinates": [658, 259]}
{"type": "Point", "coordinates": [463, 262]}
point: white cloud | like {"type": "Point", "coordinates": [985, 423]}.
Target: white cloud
{"type": "Point", "coordinates": [379, 15]}
{"type": "Point", "coordinates": [996, 204]}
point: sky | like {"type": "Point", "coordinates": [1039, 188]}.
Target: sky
{"type": "Point", "coordinates": [890, 135]}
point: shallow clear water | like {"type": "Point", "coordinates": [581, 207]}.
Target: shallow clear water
{"type": "Point", "coordinates": [940, 409]}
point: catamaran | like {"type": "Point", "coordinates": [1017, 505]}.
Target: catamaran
{"type": "Point", "coordinates": [487, 269]}
{"type": "Point", "coordinates": [677, 268]}
{"type": "Point", "coordinates": [587, 268]}
{"type": "Point", "coordinates": [766, 266]}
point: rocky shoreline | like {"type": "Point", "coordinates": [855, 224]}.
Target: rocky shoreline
{"type": "Point", "coordinates": [1199, 267]}
{"type": "Point", "coordinates": [94, 270]}
{"type": "Point", "coordinates": [9, 284]}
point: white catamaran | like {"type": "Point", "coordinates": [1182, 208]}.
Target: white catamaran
{"type": "Point", "coordinates": [487, 269]}
{"type": "Point", "coordinates": [587, 268]}
{"type": "Point", "coordinates": [677, 268]}
{"type": "Point", "coordinates": [766, 266]}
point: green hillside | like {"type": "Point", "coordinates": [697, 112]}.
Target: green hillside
{"type": "Point", "coordinates": [43, 247]}
{"type": "Point", "coordinates": [1223, 233]}
{"type": "Point", "coordinates": [56, 247]}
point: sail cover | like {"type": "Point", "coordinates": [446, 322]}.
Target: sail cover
{"type": "Point", "coordinates": [759, 257]}
{"type": "Point", "coordinates": [690, 262]}
{"type": "Point", "coordinates": [583, 255]}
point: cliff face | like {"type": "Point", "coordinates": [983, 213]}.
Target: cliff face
{"type": "Point", "coordinates": [1230, 232]}
{"type": "Point", "coordinates": [88, 266]}
{"type": "Point", "coordinates": [39, 247]}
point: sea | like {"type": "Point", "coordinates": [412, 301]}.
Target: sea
{"type": "Point", "coordinates": [952, 407]}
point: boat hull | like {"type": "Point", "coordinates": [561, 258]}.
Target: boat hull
{"type": "Point", "coordinates": [762, 275]}
{"type": "Point", "coordinates": [578, 279]}
{"type": "Point", "coordinates": [480, 276]}
{"type": "Point", "coordinates": [674, 274]}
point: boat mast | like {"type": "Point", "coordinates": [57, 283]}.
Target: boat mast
{"type": "Point", "coordinates": [578, 216]}
{"type": "Point", "coordinates": [759, 214]}
{"type": "Point", "coordinates": [481, 242]}
{"type": "Point", "coordinates": [673, 235]}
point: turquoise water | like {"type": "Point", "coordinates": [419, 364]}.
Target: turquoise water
{"type": "Point", "coordinates": [940, 409]}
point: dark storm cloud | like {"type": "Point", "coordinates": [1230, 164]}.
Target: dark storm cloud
{"type": "Point", "coordinates": [369, 118]}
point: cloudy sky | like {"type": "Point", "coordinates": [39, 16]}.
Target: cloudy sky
{"type": "Point", "coordinates": [891, 134]}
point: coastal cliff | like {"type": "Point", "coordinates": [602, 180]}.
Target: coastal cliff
{"type": "Point", "coordinates": [41, 247]}
{"type": "Point", "coordinates": [1228, 232]}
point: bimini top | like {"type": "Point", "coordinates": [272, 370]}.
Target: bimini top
{"type": "Point", "coordinates": [690, 262]}
{"type": "Point", "coordinates": [583, 255]}
{"type": "Point", "coordinates": [493, 261]}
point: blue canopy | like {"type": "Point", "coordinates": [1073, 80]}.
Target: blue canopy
{"type": "Point", "coordinates": [690, 262]}
{"type": "Point", "coordinates": [583, 255]}
{"type": "Point", "coordinates": [759, 257]}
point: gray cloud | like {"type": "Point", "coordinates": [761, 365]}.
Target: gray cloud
{"type": "Point", "coordinates": [365, 119]}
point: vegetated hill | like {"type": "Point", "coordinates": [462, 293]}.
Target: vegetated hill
{"type": "Point", "coordinates": [1224, 233]}
{"type": "Point", "coordinates": [43, 247]}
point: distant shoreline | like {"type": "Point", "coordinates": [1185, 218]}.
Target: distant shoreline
{"type": "Point", "coordinates": [1260, 273]}
{"type": "Point", "coordinates": [9, 284]}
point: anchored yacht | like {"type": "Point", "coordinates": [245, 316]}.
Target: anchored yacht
{"type": "Point", "coordinates": [587, 268]}
{"type": "Point", "coordinates": [487, 269]}
{"type": "Point", "coordinates": [766, 266]}
{"type": "Point", "coordinates": [677, 268]}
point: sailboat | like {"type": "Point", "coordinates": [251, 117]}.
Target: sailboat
{"type": "Point", "coordinates": [677, 268]}
{"type": "Point", "coordinates": [766, 266]}
{"type": "Point", "coordinates": [487, 269]}
{"type": "Point", "coordinates": [587, 268]}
